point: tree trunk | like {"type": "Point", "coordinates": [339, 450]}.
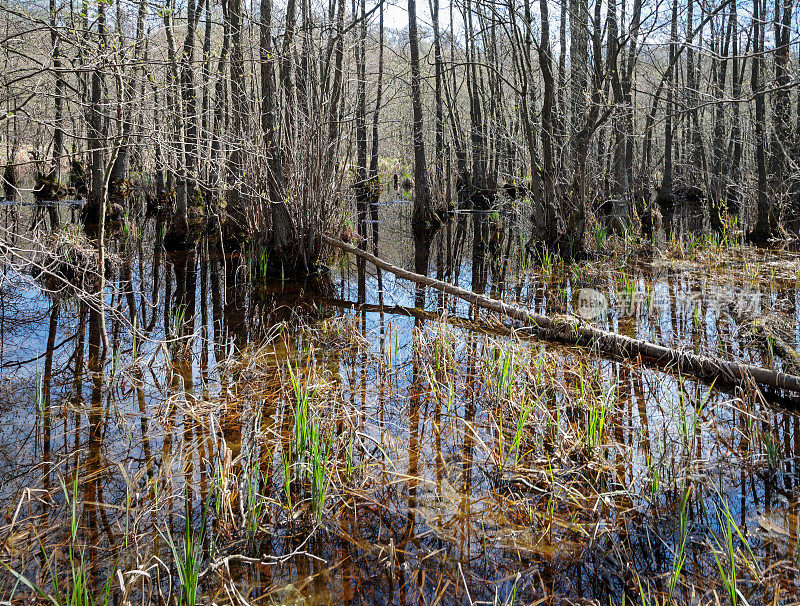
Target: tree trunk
{"type": "Point", "coordinates": [58, 97]}
{"type": "Point", "coordinates": [665, 196]}
{"type": "Point", "coordinates": [269, 126]}
{"type": "Point", "coordinates": [717, 195]}
{"type": "Point", "coordinates": [627, 86]}
{"type": "Point", "coordinates": [189, 99]}
{"type": "Point", "coordinates": [554, 219]}
{"type": "Point", "coordinates": [424, 213]}
{"type": "Point", "coordinates": [561, 111]}
{"type": "Point", "coordinates": [205, 105]}
{"type": "Point", "coordinates": [362, 178]}
{"type": "Point", "coordinates": [118, 184]}
{"type": "Point", "coordinates": [782, 126]}
{"type": "Point", "coordinates": [216, 155]}
{"type": "Point", "coordinates": [373, 163]}
{"type": "Point", "coordinates": [734, 155]}
{"type": "Point", "coordinates": [764, 228]}
{"type": "Point", "coordinates": [96, 127]}
{"type": "Point", "coordinates": [438, 67]}
{"type": "Point", "coordinates": [236, 219]}
{"type": "Point", "coordinates": [619, 186]}
{"type": "Point", "coordinates": [579, 66]}
{"type": "Point", "coordinates": [334, 114]}
{"type": "Point", "coordinates": [374, 178]}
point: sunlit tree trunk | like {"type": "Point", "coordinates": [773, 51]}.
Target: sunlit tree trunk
{"type": "Point", "coordinates": [720, 75]}
{"type": "Point", "coordinates": [58, 96]}
{"type": "Point", "coordinates": [424, 212]}
{"type": "Point", "coordinates": [373, 163]}
{"type": "Point", "coordinates": [96, 125]}
{"type": "Point", "coordinates": [362, 184]}
{"type": "Point", "coordinates": [619, 187]}
{"type": "Point", "coordinates": [734, 155]}
{"type": "Point", "coordinates": [268, 99]}
{"type": "Point", "coordinates": [118, 188]}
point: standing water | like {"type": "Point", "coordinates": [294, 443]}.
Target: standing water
{"type": "Point", "coordinates": [356, 438]}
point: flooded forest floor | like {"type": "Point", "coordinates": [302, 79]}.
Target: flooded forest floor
{"type": "Point", "coordinates": [354, 438]}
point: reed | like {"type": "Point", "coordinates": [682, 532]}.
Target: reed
{"type": "Point", "coordinates": [311, 444]}
{"type": "Point", "coordinates": [626, 284]}
{"type": "Point", "coordinates": [255, 503]}
{"type": "Point", "coordinates": [725, 557]}
{"type": "Point", "coordinates": [679, 558]}
{"type": "Point", "coordinates": [286, 465]}
{"type": "Point", "coordinates": [596, 417]}
{"type": "Point", "coordinates": [77, 588]}
{"type": "Point", "coordinates": [654, 468]}
{"type": "Point", "coordinates": [772, 450]}
{"type": "Point", "coordinates": [600, 236]}
{"type": "Point", "coordinates": [335, 426]}
{"type": "Point", "coordinates": [501, 369]}
{"type": "Point", "coordinates": [39, 399]}
{"type": "Point", "coordinates": [524, 412]}
{"type": "Point", "coordinates": [547, 260]}
{"type": "Point", "coordinates": [320, 457]}
{"type": "Point", "coordinates": [188, 558]}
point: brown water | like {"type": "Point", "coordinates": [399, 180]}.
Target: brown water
{"type": "Point", "coordinates": [434, 504]}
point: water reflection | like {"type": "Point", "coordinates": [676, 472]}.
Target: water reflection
{"type": "Point", "coordinates": [446, 519]}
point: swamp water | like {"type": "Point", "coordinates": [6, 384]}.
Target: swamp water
{"type": "Point", "coordinates": [238, 441]}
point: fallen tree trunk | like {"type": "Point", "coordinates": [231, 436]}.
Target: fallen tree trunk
{"type": "Point", "coordinates": [571, 330]}
{"type": "Point", "coordinates": [486, 327]}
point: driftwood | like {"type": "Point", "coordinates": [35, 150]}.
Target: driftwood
{"type": "Point", "coordinates": [572, 330]}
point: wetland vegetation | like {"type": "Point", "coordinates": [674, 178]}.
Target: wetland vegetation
{"type": "Point", "coordinates": [209, 394]}
{"type": "Point", "coordinates": [248, 440]}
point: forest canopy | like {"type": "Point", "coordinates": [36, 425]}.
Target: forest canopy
{"type": "Point", "coordinates": [263, 120]}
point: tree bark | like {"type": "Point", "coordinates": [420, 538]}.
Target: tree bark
{"type": "Point", "coordinates": [96, 126]}
{"type": "Point", "coordinates": [58, 97]}
{"type": "Point", "coordinates": [763, 228]}
{"type": "Point", "coordinates": [554, 218]}
{"type": "Point", "coordinates": [720, 72]}
{"type": "Point", "coordinates": [665, 196]}
{"type": "Point", "coordinates": [236, 219]}
{"type": "Point", "coordinates": [438, 72]}
{"type": "Point", "coordinates": [424, 213]}
{"type": "Point", "coordinates": [782, 143]}
{"type": "Point", "coordinates": [362, 178]}
{"type": "Point", "coordinates": [268, 97]}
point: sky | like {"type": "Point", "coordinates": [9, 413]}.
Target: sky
{"type": "Point", "coordinates": [395, 14]}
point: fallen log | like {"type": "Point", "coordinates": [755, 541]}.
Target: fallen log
{"type": "Point", "coordinates": [571, 330]}
{"type": "Point", "coordinates": [490, 328]}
